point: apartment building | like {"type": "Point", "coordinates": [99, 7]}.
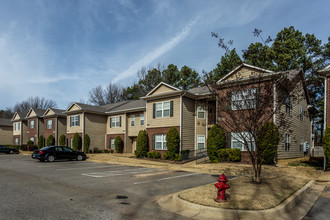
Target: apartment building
{"type": "Point", "coordinates": [54, 123]}
{"type": "Point", "coordinates": [35, 124]}
{"type": "Point", "coordinates": [19, 128]}
{"type": "Point", "coordinates": [6, 131]}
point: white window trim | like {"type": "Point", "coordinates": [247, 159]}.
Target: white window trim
{"type": "Point", "coordinates": [32, 125]}
{"type": "Point", "coordinates": [141, 119]}
{"type": "Point", "coordinates": [115, 122]}
{"type": "Point", "coordinates": [236, 137]}
{"type": "Point", "coordinates": [163, 142]}
{"type": "Point", "coordinates": [301, 114]}
{"type": "Point", "coordinates": [132, 120]}
{"type": "Point", "coordinates": [112, 143]}
{"type": "Point", "coordinates": [245, 99]}
{"type": "Point", "coordinates": [200, 109]}
{"type": "Point", "coordinates": [50, 124]}
{"type": "Point", "coordinates": [287, 142]}
{"type": "Point", "coordinates": [74, 121]}
{"type": "Point", "coordinates": [162, 110]}
{"type": "Point", "coordinates": [16, 141]}
{"type": "Point", "coordinates": [203, 142]}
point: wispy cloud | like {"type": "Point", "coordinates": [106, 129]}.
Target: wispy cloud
{"type": "Point", "coordinates": [156, 53]}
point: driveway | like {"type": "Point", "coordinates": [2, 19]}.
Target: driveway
{"type": "Point", "coordinates": [321, 208]}
{"type": "Point", "coordinates": [86, 190]}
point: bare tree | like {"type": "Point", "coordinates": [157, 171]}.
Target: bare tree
{"type": "Point", "coordinates": [246, 103]}
{"type": "Point", "coordinates": [34, 102]}
{"type": "Point", "coordinates": [111, 94]}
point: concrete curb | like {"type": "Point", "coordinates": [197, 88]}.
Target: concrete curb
{"type": "Point", "coordinates": [175, 204]}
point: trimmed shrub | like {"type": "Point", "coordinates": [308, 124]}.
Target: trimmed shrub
{"type": "Point", "coordinates": [62, 140]}
{"type": "Point", "coordinates": [177, 157]}
{"type": "Point", "coordinates": [149, 154]}
{"type": "Point", "coordinates": [154, 154]}
{"type": "Point", "coordinates": [118, 144]}
{"type": "Point", "coordinates": [326, 145]}
{"type": "Point", "coordinates": [106, 151]}
{"type": "Point", "coordinates": [185, 154]}
{"type": "Point", "coordinates": [96, 150]}
{"type": "Point", "coordinates": [41, 141]}
{"type": "Point", "coordinates": [173, 142]}
{"type": "Point", "coordinates": [76, 142]}
{"type": "Point", "coordinates": [268, 138]}
{"type": "Point", "coordinates": [87, 143]}
{"type": "Point", "coordinates": [166, 155]}
{"type": "Point", "coordinates": [216, 140]}
{"type": "Point", "coordinates": [142, 144]}
{"type": "Point", "coordinates": [30, 143]}
{"type": "Point", "coordinates": [229, 155]}
{"type": "Point", "coordinates": [50, 140]}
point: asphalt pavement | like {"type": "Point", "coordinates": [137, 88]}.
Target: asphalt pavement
{"type": "Point", "coordinates": [30, 189]}
{"type": "Point", "coordinates": [321, 208]}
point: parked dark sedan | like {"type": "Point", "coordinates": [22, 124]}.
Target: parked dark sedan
{"type": "Point", "coordinates": [52, 153]}
{"type": "Point", "coordinates": [8, 150]}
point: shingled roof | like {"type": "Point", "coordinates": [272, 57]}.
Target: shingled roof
{"type": "Point", "coordinates": [129, 106]}
{"type": "Point", "coordinates": [6, 122]}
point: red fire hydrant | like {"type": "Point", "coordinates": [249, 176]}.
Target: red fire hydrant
{"type": "Point", "coordinates": [221, 186]}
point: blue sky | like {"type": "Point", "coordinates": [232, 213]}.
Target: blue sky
{"type": "Point", "coordinates": [61, 49]}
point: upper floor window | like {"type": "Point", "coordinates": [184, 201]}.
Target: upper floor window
{"type": "Point", "coordinates": [163, 109]}
{"type": "Point", "coordinates": [141, 119]}
{"type": "Point", "coordinates": [50, 124]}
{"type": "Point", "coordinates": [288, 105]}
{"type": "Point", "coordinates": [132, 120]}
{"type": "Point", "coordinates": [16, 126]}
{"type": "Point", "coordinates": [238, 140]}
{"type": "Point", "coordinates": [200, 112]}
{"type": "Point", "coordinates": [200, 142]}
{"type": "Point", "coordinates": [301, 114]}
{"type": "Point", "coordinates": [244, 99]}
{"type": "Point", "coordinates": [74, 120]}
{"type": "Point", "coordinates": [115, 121]}
{"type": "Point", "coordinates": [32, 124]}
{"type": "Point", "coordinates": [287, 142]}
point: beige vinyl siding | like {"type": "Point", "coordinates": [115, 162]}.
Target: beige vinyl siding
{"type": "Point", "coordinates": [201, 123]}
{"type": "Point", "coordinates": [61, 127]}
{"type": "Point", "coordinates": [41, 126]}
{"type": "Point", "coordinates": [24, 126]}
{"type": "Point", "coordinates": [74, 108]}
{"type": "Point", "coordinates": [95, 128]}
{"type": "Point", "coordinates": [188, 121]}
{"type": "Point", "coordinates": [16, 117]}
{"type": "Point", "coordinates": [6, 135]}
{"type": "Point", "coordinates": [134, 130]}
{"type": "Point", "coordinates": [298, 130]}
{"type": "Point", "coordinates": [17, 132]}
{"type": "Point", "coordinates": [31, 114]}
{"type": "Point", "coordinates": [162, 89]}
{"type": "Point", "coordinates": [74, 129]}
{"type": "Point", "coordinates": [242, 73]}
{"type": "Point", "coordinates": [166, 121]}
{"type": "Point", "coordinates": [116, 130]}
{"type": "Point", "coordinates": [49, 112]}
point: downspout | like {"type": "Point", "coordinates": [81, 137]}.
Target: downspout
{"type": "Point", "coordinates": [125, 133]}
{"type": "Point", "coordinates": [83, 131]}
{"type": "Point", "coordinates": [37, 128]}
{"type": "Point", "coordinates": [325, 116]}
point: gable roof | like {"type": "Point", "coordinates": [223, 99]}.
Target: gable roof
{"type": "Point", "coordinates": [200, 91]}
{"type": "Point", "coordinates": [6, 122]}
{"type": "Point", "coordinates": [95, 109]}
{"type": "Point", "coordinates": [240, 67]}
{"type": "Point", "coordinates": [57, 112]}
{"type": "Point", "coordinates": [163, 84]}
{"type": "Point", "coordinates": [129, 106]}
{"type": "Point", "coordinates": [324, 71]}
{"type": "Point", "coordinates": [21, 115]}
{"type": "Point", "coordinates": [38, 112]}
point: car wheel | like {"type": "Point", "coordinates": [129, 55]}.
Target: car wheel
{"type": "Point", "coordinates": [50, 158]}
{"type": "Point", "coordinates": [79, 157]}
{"type": "Point", "coordinates": [11, 152]}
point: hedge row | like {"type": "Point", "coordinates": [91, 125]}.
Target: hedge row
{"type": "Point", "coordinates": [229, 155]}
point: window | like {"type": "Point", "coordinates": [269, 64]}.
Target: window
{"type": "Point", "coordinates": [66, 149]}
{"type": "Point", "coordinates": [200, 142]}
{"type": "Point", "coordinates": [132, 120]}
{"type": "Point", "coordinates": [287, 142]}
{"type": "Point", "coordinates": [200, 112]}
{"type": "Point", "coordinates": [115, 122]}
{"type": "Point", "coordinates": [301, 114]}
{"type": "Point", "coordinates": [243, 99]}
{"type": "Point", "coordinates": [58, 149]}
{"type": "Point", "coordinates": [16, 141]}
{"type": "Point", "coordinates": [49, 124]}
{"type": "Point", "coordinates": [17, 126]}
{"type": "Point", "coordinates": [301, 145]}
{"type": "Point", "coordinates": [142, 119]}
{"type": "Point", "coordinates": [160, 142]}
{"type": "Point", "coordinates": [163, 109]}
{"type": "Point", "coordinates": [237, 141]}
{"type": "Point", "coordinates": [32, 139]}
{"type": "Point", "coordinates": [112, 143]}
{"type": "Point", "coordinates": [32, 124]}
{"type": "Point", "coordinates": [288, 106]}
{"type": "Point", "coordinates": [74, 120]}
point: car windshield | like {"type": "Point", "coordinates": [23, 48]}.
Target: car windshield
{"type": "Point", "coordinates": [46, 148]}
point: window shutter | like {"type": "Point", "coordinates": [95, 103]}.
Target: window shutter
{"type": "Point", "coordinates": [119, 121]}
{"type": "Point", "coordinates": [110, 122]}
{"type": "Point", "coordinates": [228, 140]}
{"type": "Point", "coordinates": [229, 101]}
{"type": "Point", "coordinates": [153, 142]}
{"type": "Point", "coordinates": [154, 110]}
{"type": "Point", "coordinates": [257, 97]}
{"type": "Point", "coordinates": [70, 121]}
{"type": "Point", "coordinates": [171, 109]}
{"type": "Point", "coordinates": [78, 120]}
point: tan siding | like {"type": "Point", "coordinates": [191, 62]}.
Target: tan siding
{"type": "Point", "coordinates": [188, 121]}
{"type": "Point", "coordinates": [61, 127]}
{"type": "Point", "coordinates": [299, 131]}
{"type": "Point", "coordinates": [25, 128]}
{"type": "Point", "coordinates": [134, 130]}
{"type": "Point", "coordinates": [31, 114]}
{"type": "Point", "coordinates": [116, 130]}
{"type": "Point", "coordinates": [167, 121]}
{"type": "Point", "coordinates": [6, 135]}
{"type": "Point", "coordinates": [49, 112]}
{"type": "Point", "coordinates": [17, 132]}
{"type": "Point", "coordinates": [162, 89]}
{"type": "Point", "coordinates": [242, 73]}
{"type": "Point", "coordinates": [17, 117]}
{"type": "Point", "coordinates": [201, 123]}
{"type": "Point", "coordinates": [41, 126]}
{"type": "Point", "coordinates": [95, 128]}
{"type": "Point", "coordinates": [74, 108]}
{"type": "Point", "coordinates": [74, 129]}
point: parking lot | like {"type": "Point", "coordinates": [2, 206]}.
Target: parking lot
{"type": "Point", "coordinates": [87, 190]}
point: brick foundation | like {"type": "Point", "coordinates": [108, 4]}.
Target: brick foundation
{"type": "Point", "coordinates": [113, 136]}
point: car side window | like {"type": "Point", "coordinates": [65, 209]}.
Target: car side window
{"type": "Point", "coordinates": [66, 149]}
{"type": "Point", "coordinates": [58, 149]}
{"type": "Point", "coordinates": [2, 147]}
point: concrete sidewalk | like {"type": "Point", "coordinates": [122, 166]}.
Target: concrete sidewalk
{"type": "Point", "coordinates": [294, 207]}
